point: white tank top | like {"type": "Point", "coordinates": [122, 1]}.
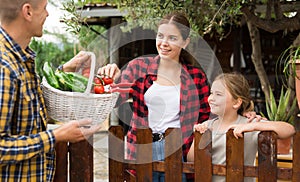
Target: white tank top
{"type": "Point", "coordinates": [163, 104]}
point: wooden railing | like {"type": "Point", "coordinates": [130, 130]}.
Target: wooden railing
{"type": "Point", "coordinates": [173, 167]}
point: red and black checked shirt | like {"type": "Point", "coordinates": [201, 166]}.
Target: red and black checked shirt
{"type": "Point", "coordinates": [194, 93]}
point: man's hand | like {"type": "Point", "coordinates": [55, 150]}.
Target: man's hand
{"type": "Point", "coordinates": [75, 131]}
{"type": "Point", "coordinates": [81, 60]}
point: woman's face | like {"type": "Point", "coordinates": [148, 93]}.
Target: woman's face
{"type": "Point", "coordinates": [220, 100]}
{"type": "Point", "coordinates": [169, 42]}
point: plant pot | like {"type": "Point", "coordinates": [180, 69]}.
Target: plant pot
{"type": "Point", "coordinates": [284, 145]}
{"type": "Point", "coordinates": [297, 82]}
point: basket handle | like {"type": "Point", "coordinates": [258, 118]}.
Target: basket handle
{"type": "Point", "coordinates": [92, 70]}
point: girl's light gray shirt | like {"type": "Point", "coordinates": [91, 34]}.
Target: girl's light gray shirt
{"type": "Point", "coordinates": [219, 147]}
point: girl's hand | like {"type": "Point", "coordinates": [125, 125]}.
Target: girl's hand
{"type": "Point", "coordinates": [111, 70]}
{"type": "Point", "coordinates": [239, 129]}
{"type": "Point", "coordinates": [201, 127]}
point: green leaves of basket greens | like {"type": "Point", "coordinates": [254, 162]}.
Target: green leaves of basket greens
{"type": "Point", "coordinates": [285, 109]}
{"type": "Point", "coordinates": [65, 81]}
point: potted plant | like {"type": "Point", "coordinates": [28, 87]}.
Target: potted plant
{"type": "Point", "coordinates": [291, 67]}
{"type": "Point", "coordinates": [283, 110]}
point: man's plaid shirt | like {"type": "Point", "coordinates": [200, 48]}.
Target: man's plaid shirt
{"type": "Point", "coordinates": [194, 93]}
{"type": "Point", "coordinates": [26, 149]}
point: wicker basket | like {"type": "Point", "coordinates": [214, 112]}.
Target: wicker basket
{"type": "Point", "coordinates": [64, 106]}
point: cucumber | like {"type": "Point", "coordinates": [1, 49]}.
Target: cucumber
{"type": "Point", "coordinates": [50, 76]}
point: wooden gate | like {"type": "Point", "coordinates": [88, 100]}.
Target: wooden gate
{"type": "Point", "coordinates": [234, 170]}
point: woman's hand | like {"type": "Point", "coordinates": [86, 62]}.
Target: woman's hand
{"type": "Point", "coordinates": [251, 115]}
{"type": "Point", "coordinates": [201, 127]}
{"type": "Point", "coordinates": [81, 60]}
{"type": "Point", "coordinates": [110, 70]}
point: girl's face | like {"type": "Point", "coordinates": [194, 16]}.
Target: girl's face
{"type": "Point", "coordinates": [220, 100]}
{"type": "Point", "coordinates": [169, 42]}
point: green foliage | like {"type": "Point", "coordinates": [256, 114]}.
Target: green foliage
{"type": "Point", "coordinates": [285, 110]}
{"type": "Point", "coordinates": [206, 16]}
{"type": "Point", "coordinates": [51, 52]}
{"type": "Point", "coordinates": [78, 26]}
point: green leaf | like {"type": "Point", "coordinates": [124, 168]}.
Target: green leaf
{"type": "Point", "coordinates": [283, 104]}
{"type": "Point", "coordinates": [273, 106]}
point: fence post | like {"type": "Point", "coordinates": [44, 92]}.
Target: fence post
{"type": "Point", "coordinates": [267, 157]}
{"type": "Point", "coordinates": [202, 157]}
{"type": "Point", "coordinates": [173, 155]}
{"type": "Point", "coordinates": [296, 157]}
{"type": "Point", "coordinates": [144, 155]}
{"type": "Point", "coordinates": [116, 154]}
{"type": "Point", "coordinates": [81, 161]}
{"type": "Point", "coordinates": [61, 171]}
{"type": "Point", "coordinates": [234, 157]}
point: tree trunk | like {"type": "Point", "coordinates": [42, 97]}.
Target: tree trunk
{"type": "Point", "coordinates": [257, 58]}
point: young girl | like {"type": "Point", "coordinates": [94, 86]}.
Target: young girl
{"type": "Point", "coordinates": [229, 98]}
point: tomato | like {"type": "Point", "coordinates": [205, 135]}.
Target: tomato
{"type": "Point", "coordinates": [99, 89]}
{"type": "Point", "coordinates": [107, 80]}
{"type": "Point", "coordinates": [97, 81]}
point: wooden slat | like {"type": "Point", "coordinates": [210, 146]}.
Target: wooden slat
{"type": "Point", "coordinates": [61, 171]}
{"type": "Point", "coordinates": [81, 161]}
{"type": "Point", "coordinates": [173, 154]}
{"type": "Point", "coordinates": [234, 158]}
{"type": "Point", "coordinates": [144, 155]}
{"type": "Point", "coordinates": [202, 153]}
{"type": "Point", "coordinates": [267, 157]}
{"type": "Point", "coordinates": [116, 153]}
{"type": "Point", "coordinates": [296, 157]}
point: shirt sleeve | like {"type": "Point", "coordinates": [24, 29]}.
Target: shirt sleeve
{"type": "Point", "coordinates": [204, 91]}
{"type": "Point", "coordinates": [18, 148]}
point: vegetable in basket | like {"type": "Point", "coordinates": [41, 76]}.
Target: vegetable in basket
{"type": "Point", "coordinates": [77, 76]}
{"type": "Point", "coordinates": [50, 76]}
{"type": "Point", "coordinates": [69, 83]}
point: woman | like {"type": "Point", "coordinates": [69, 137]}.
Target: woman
{"type": "Point", "coordinates": [168, 90]}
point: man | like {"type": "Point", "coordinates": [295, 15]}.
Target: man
{"type": "Point", "coordinates": [26, 147]}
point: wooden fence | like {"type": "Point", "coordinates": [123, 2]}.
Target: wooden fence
{"type": "Point", "coordinates": [74, 162]}
{"type": "Point", "coordinates": [234, 170]}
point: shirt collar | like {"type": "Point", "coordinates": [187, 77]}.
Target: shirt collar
{"type": "Point", "coordinates": [24, 55]}
{"type": "Point", "coordinates": [153, 68]}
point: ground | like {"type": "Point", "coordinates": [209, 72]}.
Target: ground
{"type": "Point", "coordinates": [101, 157]}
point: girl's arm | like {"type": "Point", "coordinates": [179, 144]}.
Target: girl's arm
{"type": "Point", "coordinates": [283, 129]}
